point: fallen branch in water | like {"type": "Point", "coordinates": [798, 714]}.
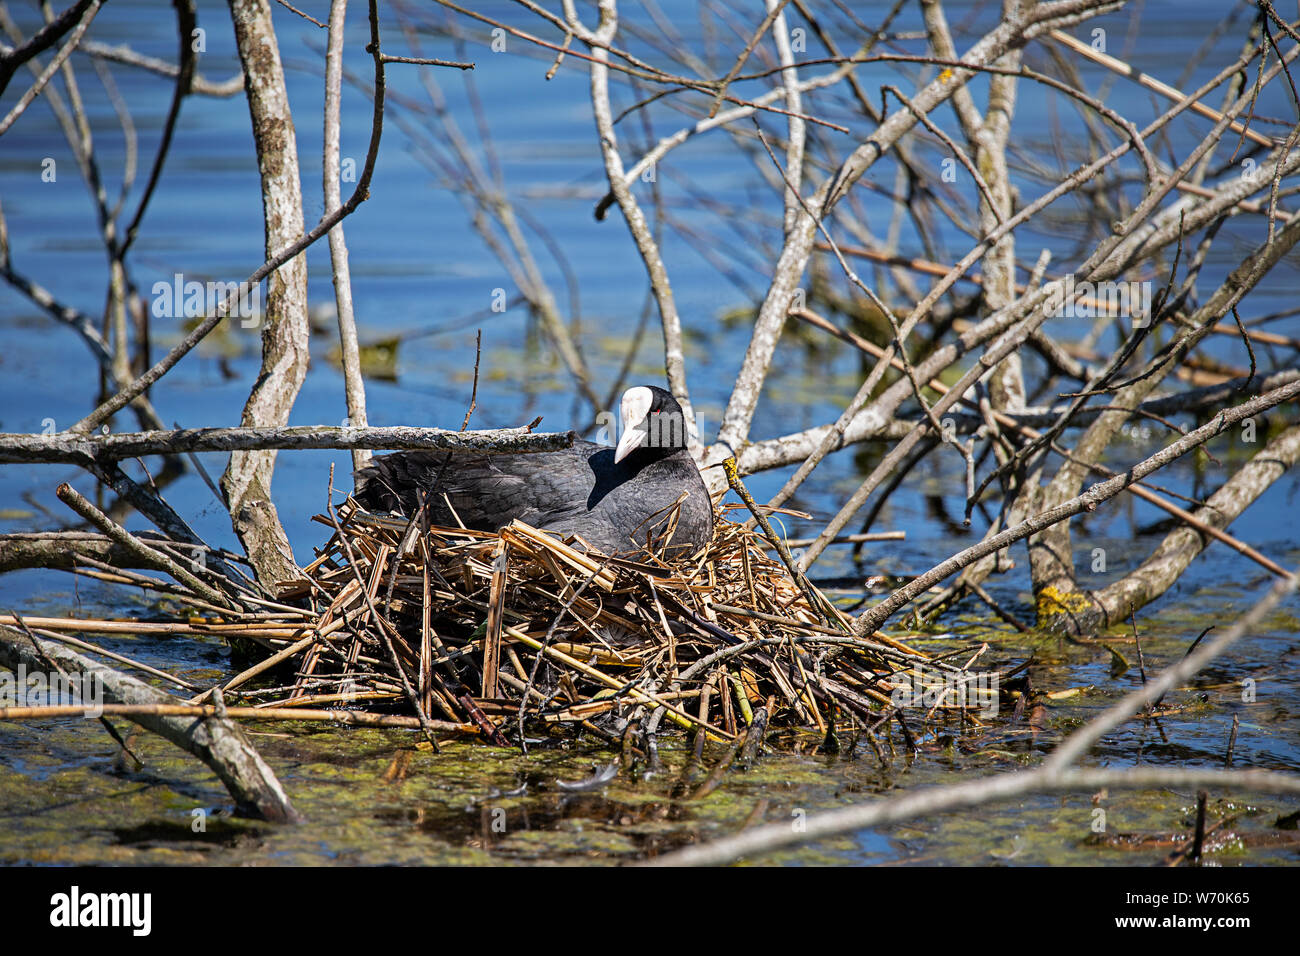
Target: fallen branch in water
{"type": "Point", "coordinates": [216, 741]}
{"type": "Point", "coordinates": [872, 618]}
{"type": "Point", "coordinates": [352, 718]}
{"type": "Point", "coordinates": [147, 555]}
{"type": "Point", "coordinates": [976, 793]}
{"type": "Point", "coordinates": [61, 549]}
{"type": "Point", "coordinates": [1054, 775]}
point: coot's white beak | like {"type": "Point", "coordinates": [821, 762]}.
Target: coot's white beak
{"type": "Point", "coordinates": [633, 412]}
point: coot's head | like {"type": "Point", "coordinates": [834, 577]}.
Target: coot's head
{"type": "Point", "coordinates": [652, 422]}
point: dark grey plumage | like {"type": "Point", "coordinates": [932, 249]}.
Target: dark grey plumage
{"type": "Point", "coordinates": [614, 505]}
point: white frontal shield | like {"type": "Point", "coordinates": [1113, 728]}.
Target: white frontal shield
{"type": "Point", "coordinates": [634, 409]}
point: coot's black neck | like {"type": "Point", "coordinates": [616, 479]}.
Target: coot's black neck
{"type": "Point", "coordinates": [645, 455]}
{"type": "Point", "coordinates": [662, 427]}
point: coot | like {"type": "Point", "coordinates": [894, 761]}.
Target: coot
{"type": "Point", "coordinates": [618, 499]}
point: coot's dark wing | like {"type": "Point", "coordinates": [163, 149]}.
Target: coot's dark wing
{"type": "Point", "coordinates": [630, 503]}
{"type": "Point", "coordinates": [580, 490]}
{"type": "Point", "coordinates": [486, 491]}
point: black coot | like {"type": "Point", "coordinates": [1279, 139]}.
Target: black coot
{"type": "Point", "coordinates": [617, 499]}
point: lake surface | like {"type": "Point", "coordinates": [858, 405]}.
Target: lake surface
{"type": "Point", "coordinates": [417, 266]}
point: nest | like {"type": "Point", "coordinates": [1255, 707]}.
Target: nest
{"type": "Point", "coordinates": [520, 633]}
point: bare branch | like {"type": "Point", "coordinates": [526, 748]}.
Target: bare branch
{"type": "Point", "coordinates": [42, 40]}
{"type": "Point", "coordinates": [53, 67]}
{"type": "Point", "coordinates": [215, 740]}
{"type": "Point", "coordinates": [1053, 776]}
{"type": "Point", "coordinates": [350, 354]}
{"type": "Point", "coordinates": [871, 619]}
{"type": "Point", "coordinates": [78, 449]}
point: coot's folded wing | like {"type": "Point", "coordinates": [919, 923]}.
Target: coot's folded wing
{"type": "Point", "coordinates": [485, 491]}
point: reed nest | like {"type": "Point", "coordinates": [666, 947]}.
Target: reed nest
{"type": "Point", "coordinates": [521, 634]}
